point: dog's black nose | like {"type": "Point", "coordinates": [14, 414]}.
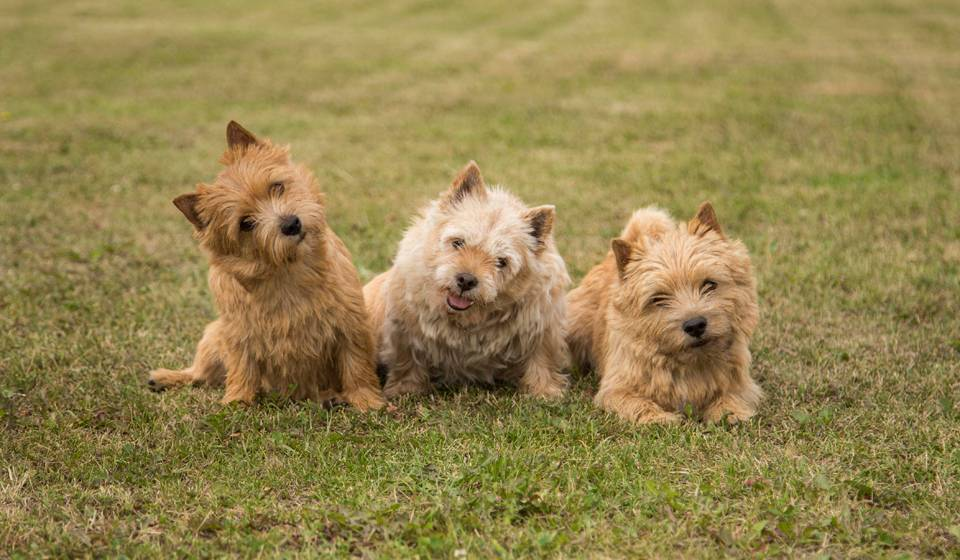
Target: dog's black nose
{"type": "Point", "coordinates": [695, 327]}
{"type": "Point", "coordinates": [466, 281]}
{"type": "Point", "coordinates": [290, 225]}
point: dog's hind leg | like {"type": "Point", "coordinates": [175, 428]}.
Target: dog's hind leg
{"type": "Point", "coordinates": [207, 368]}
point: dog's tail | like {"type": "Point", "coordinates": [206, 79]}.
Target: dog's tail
{"type": "Point", "coordinates": [647, 222]}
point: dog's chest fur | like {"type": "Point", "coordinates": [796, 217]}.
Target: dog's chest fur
{"type": "Point", "coordinates": [281, 326]}
{"type": "Point", "coordinates": [495, 350]}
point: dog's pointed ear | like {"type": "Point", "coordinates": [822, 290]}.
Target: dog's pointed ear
{"type": "Point", "coordinates": [541, 221]}
{"type": "Point", "coordinates": [468, 182]}
{"type": "Point", "coordinates": [237, 136]}
{"type": "Point", "coordinates": [624, 252]}
{"type": "Point", "coordinates": [705, 221]}
{"type": "Point", "coordinates": [187, 203]}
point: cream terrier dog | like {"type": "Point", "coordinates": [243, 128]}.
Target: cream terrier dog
{"type": "Point", "coordinates": [475, 295]}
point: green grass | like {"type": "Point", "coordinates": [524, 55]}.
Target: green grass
{"type": "Point", "coordinates": [826, 133]}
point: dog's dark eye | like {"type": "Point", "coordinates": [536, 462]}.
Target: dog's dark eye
{"type": "Point", "coordinates": [708, 286]}
{"type": "Point", "coordinates": [276, 188]}
{"type": "Point", "coordinates": [247, 223]}
{"type": "Point", "coordinates": [659, 300]}
{"type": "Point", "coordinates": [457, 243]}
{"type": "Point", "coordinates": [501, 262]}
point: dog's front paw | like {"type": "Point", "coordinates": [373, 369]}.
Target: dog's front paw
{"type": "Point", "coordinates": [663, 417]}
{"type": "Point", "coordinates": [364, 399]}
{"type": "Point", "coordinates": [410, 383]}
{"type": "Point", "coordinates": [652, 417]}
{"type": "Point", "coordinates": [391, 392]}
{"type": "Point", "coordinates": [239, 397]}
{"type": "Point", "coordinates": [731, 417]}
{"type": "Point", "coordinates": [542, 383]}
{"type": "Point", "coordinates": [545, 391]}
{"type": "Point", "coordinates": [730, 409]}
{"type": "Point", "coordinates": [637, 410]}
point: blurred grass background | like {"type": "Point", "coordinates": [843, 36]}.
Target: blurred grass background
{"type": "Point", "coordinates": [826, 133]}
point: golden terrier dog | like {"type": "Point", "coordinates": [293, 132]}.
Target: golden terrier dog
{"type": "Point", "coordinates": [475, 295]}
{"type": "Point", "coordinates": [666, 321]}
{"type": "Point", "coordinates": [291, 312]}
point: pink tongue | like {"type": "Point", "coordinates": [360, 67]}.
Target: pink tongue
{"type": "Point", "coordinates": [458, 302]}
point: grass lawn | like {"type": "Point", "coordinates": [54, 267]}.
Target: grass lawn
{"type": "Point", "coordinates": [826, 133]}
